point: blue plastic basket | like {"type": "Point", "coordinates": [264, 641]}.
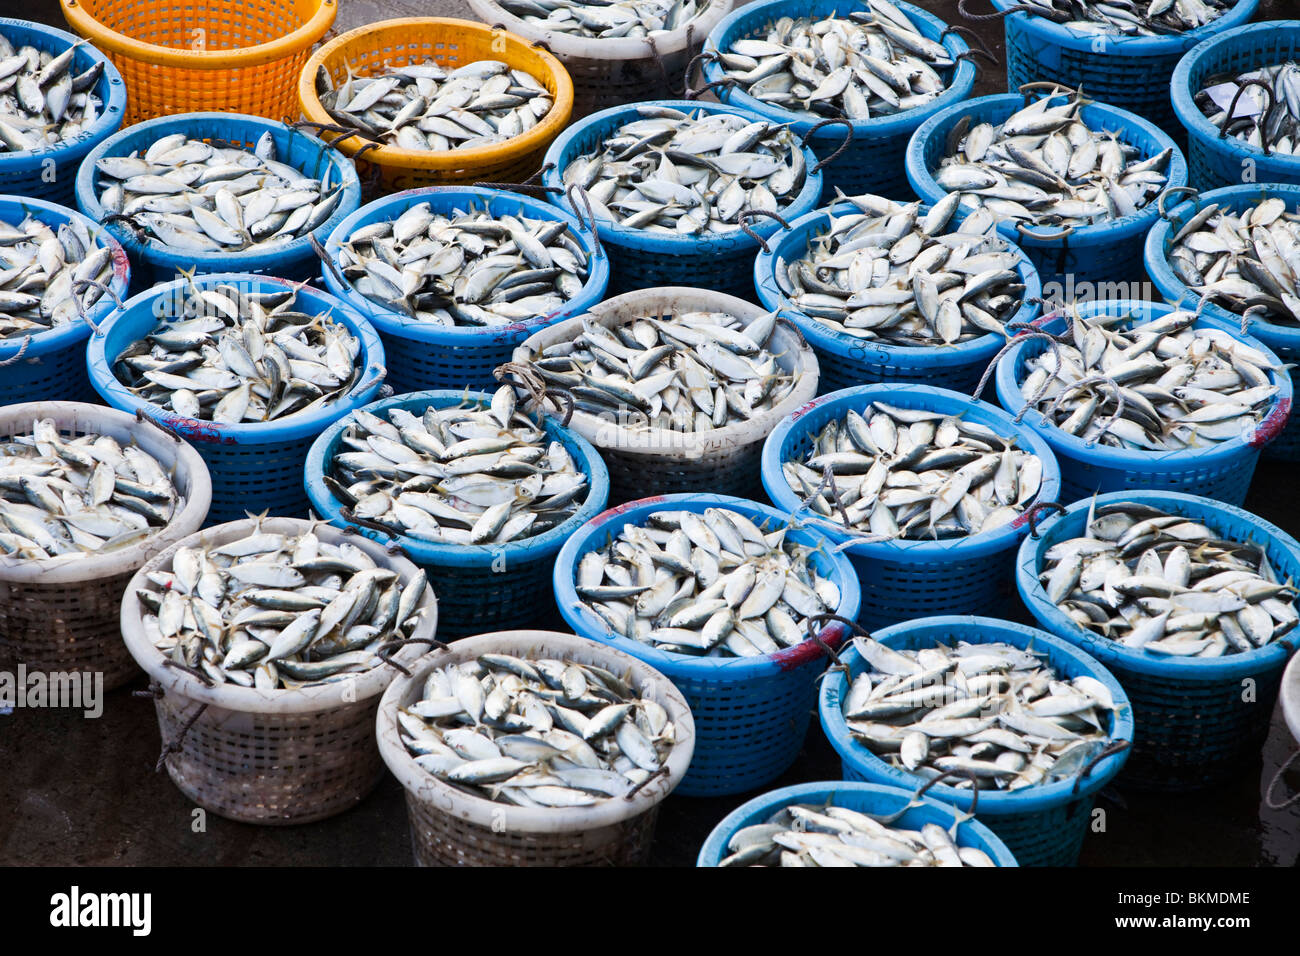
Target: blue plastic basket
{"type": "Point", "coordinates": [50, 173]}
{"type": "Point", "coordinates": [723, 262]}
{"type": "Point", "coordinates": [751, 713]}
{"type": "Point", "coordinates": [1195, 727]}
{"type": "Point", "coordinates": [1221, 471]}
{"type": "Point", "coordinates": [862, 797]}
{"type": "Point", "coordinates": [423, 356]}
{"type": "Point", "coordinates": [1223, 161]}
{"type": "Point", "coordinates": [152, 262]}
{"type": "Point", "coordinates": [258, 466]}
{"type": "Point", "coordinates": [50, 366]}
{"type": "Point", "coordinates": [1128, 72]}
{"type": "Point", "coordinates": [904, 580]}
{"type": "Point", "coordinates": [873, 161]}
{"type": "Point", "coordinates": [480, 587]}
{"type": "Point", "coordinates": [1283, 340]}
{"type": "Point", "coordinates": [846, 360]}
{"type": "Point", "coordinates": [1103, 252]}
{"type": "Point", "coordinates": [1042, 825]}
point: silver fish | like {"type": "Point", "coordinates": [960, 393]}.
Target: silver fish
{"type": "Point", "coordinates": [1043, 166]}
{"type": "Point", "coordinates": [40, 267]}
{"type": "Point", "coordinates": [467, 474]}
{"type": "Point", "coordinates": [43, 101]}
{"type": "Point", "coordinates": [424, 107]}
{"type": "Point", "coordinates": [870, 63]}
{"type": "Point", "coordinates": [908, 473]}
{"type": "Point", "coordinates": [64, 497]}
{"type": "Point", "coordinates": [714, 584]}
{"type": "Point", "coordinates": [1128, 18]}
{"type": "Point", "coordinates": [536, 732]}
{"type": "Point", "coordinates": [998, 716]}
{"type": "Point", "coordinates": [1166, 584]}
{"type": "Point", "coordinates": [233, 356]}
{"type": "Point", "coordinates": [468, 268]}
{"type": "Point", "coordinates": [1256, 121]}
{"type": "Point", "coordinates": [603, 21]}
{"type": "Point", "coordinates": [1180, 387]}
{"type": "Point", "coordinates": [689, 173]}
{"type": "Point", "coordinates": [890, 273]}
{"type": "Point", "coordinates": [277, 611]}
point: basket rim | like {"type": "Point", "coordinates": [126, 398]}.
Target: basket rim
{"type": "Point", "coordinates": [156, 253]}
{"type": "Point", "coordinates": [621, 309]}
{"type": "Point", "coordinates": [1059, 624]}
{"type": "Point", "coordinates": [114, 106]}
{"type": "Point", "coordinates": [1156, 254]}
{"type": "Point", "coordinates": [394, 324]}
{"type": "Point", "coordinates": [715, 845]}
{"type": "Point", "coordinates": [1290, 697]}
{"type": "Point", "coordinates": [121, 426]}
{"type": "Point", "coordinates": [463, 555]}
{"type": "Point", "coordinates": [610, 48]}
{"type": "Point", "coordinates": [734, 240]}
{"type": "Point", "coordinates": [517, 146]}
{"type": "Point", "coordinates": [771, 295]}
{"type": "Point", "coordinates": [923, 181]}
{"type": "Point", "coordinates": [1007, 386]}
{"type": "Point", "coordinates": [688, 666]}
{"type": "Point", "coordinates": [1200, 128]}
{"type": "Point", "coordinates": [927, 396]}
{"type": "Point", "coordinates": [297, 425]}
{"type": "Point", "coordinates": [744, 17]}
{"type": "Point", "coordinates": [994, 803]}
{"type": "Point", "coordinates": [68, 335]}
{"type": "Point", "coordinates": [1170, 45]}
{"type": "Point", "coordinates": [106, 38]}
{"type": "Point", "coordinates": [303, 700]}
{"type": "Point", "coordinates": [441, 796]}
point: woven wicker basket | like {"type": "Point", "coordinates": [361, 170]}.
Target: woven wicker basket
{"type": "Point", "coordinates": [612, 72]}
{"type": "Point", "coordinates": [63, 615]}
{"type": "Point", "coordinates": [450, 827]}
{"type": "Point", "coordinates": [659, 462]}
{"type": "Point", "coordinates": [273, 757]}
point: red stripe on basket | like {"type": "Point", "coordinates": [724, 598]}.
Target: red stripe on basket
{"type": "Point", "coordinates": [121, 264]}
{"type": "Point", "coordinates": [613, 513]}
{"type": "Point", "coordinates": [196, 430]}
{"type": "Point", "coordinates": [807, 407]}
{"type": "Point", "coordinates": [1272, 426]}
{"type": "Point", "coordinates": [808, 651]}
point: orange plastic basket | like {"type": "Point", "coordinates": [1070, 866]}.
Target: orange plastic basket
{"type": "Point", "coordinates": [451, 43]}
{"type": "Point", "coordinates": [186, 56]}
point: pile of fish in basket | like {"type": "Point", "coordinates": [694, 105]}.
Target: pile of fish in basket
{"type": "Point", "coordinates": [487, 416]}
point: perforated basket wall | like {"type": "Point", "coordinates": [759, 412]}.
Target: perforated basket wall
{"type": "Point", "coordinates": [451, 827]}
{"type": "Point", "coordinates": [480, 586]}
{"type": "Point", "coordinates": [658, 462]}
{"type": "Point", "coordinates": [422, 356]}
{"type": "Point", "coordinates": [255, 466]}
{"type": "Point", "coordinates": [178, 56]}
{"type": "Point", "coordinates": [58, 616]}
{"type": "Point", "coordinates": [451, 43]}
{"type": "Point", "coordinates": [723, 262]}
{"type": "Point", "coordinates": [1105, 252]}
{"type": "Point", "coordinates": [874, 159]}
{"type": "Point", "coordinates": [50, 173]}
{"type": "Point", "coordinates": [152, 262]}
{"type": "Point", "coordinates": [271, 756]}
{"type": "Point", "coordinates": [1283, 340]}
{"type": "Point", "coordinates": [751, 714]}
{"type": "Point", "coordinates": [1223, 470]}
{"type": "Point", "coordinates": [903, 580]}
{"type": "Point", "coordinates": [1216, 161]}
{"type": "Point", "coordinates": [1043, 825]}
{"type": "Point", "coordinates": [1200, 721]}
{"type": "Point", "coordinates": [1131, 73]}
{"type": "Point", "coordinates": [846, 360]}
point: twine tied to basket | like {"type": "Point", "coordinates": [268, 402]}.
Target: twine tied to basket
{"type": "Point", "coordinates": [537, 388]}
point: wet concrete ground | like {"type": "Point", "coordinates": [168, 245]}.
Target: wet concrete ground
{"type": "Point", "coordinates": [81, 791]}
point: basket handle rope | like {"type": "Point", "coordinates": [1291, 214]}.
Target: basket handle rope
{"type": "Point", "coordinates": [538, 390]}
{"type": "Point", "coordinates": [1245, 315]}
{"type": "Point", "coordinates": [999, 14]}
{"type": "Point", "coordinates": [822, 124]}
{"type": "Point", "coordinates": [747, 214]}
{"type": "Point", "coordinates": [1055, 507]}
{"type": "Point", "coordinates": [970, 36]}
{"type": "Point", "coordinates": [345, 132]}
{"type": "Point", "coordinates": [1025, 89]}
{"type": "Point", "coordinates": [590, 220]}
{"type": "Point", "coordinates": [82, 305]}
{"type": "Point", "coordinates": [1232, 108]}
{"type": "Point", "coordinates": [389, 648]}
{"type": "Point", "coordinates": [1044, 237]}
{"type": "Point", "coordinates": [663, 771]}
{"type": "Point", "coordinates": [1120, 404]}
{"type": "Point", "coordinates": [325, 259]}
{"type": "Point", "coordinates": [173, 746]}
{"type": "Point", "coordinates": [1110, 750]}
{"type": "Point", "coordinates": [11, 360]}
{"type": "Point", "coordinates": [1172, 191]}
{"type": "Point", "coordinates": [1010, 344]}
{"type": "Point", "coordinates": [704, 56]}
{"type": "Point", "coordinates": [691, 93]}
{"type": "Point", "coordinates": [527, 183]}
{"type": "Point", "coordinates": [798, 333]}
{"type": "Point", "coordinates": [1272, 784]}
